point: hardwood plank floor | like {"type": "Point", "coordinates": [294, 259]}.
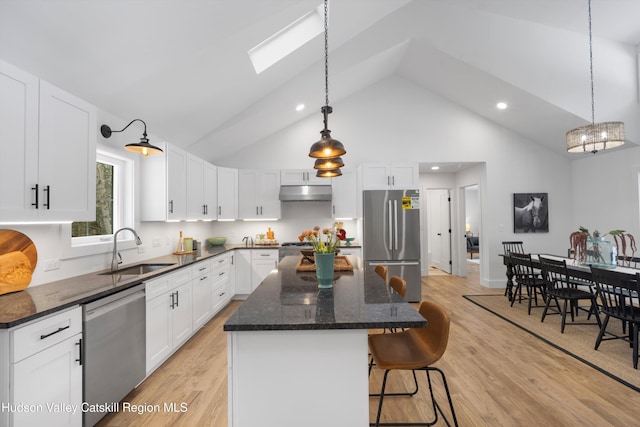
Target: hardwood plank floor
{"type": "Point", "coordinates": [498, 375]}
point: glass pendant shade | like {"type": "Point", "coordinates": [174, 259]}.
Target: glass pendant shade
{"type": "Point", "coordinates": [595, 137]}
{"type": "Point", "coordinates": [329, 173]}
{"type": "Point", "coordinates": [327, 147]}
{"type": "Point", "coordinates": [328, 164]}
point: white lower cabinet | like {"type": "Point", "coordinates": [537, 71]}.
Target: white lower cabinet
{"type": "Point", "coordinates": [221, 283]}
{"type": "Point", "coordinates": [242, 272]}
{"type": "Point", "coordinates": [202, 286]}
{"type": "Point", "coordinates": [44, 375]}
{"type": "Point", "coordinates": [169, 315]}
{"type": "Point", "coordinates": [263, 261]}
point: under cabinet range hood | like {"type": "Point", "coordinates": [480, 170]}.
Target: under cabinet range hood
{"type": "Point", "coordinates": [298, 193]}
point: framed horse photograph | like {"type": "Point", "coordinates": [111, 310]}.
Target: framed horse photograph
{"type": "Point", "coordinates": [530, 213]}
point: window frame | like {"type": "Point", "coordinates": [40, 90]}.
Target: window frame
{"type": "Point", "coordinates": [123, 206]}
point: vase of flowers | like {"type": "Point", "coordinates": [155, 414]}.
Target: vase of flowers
{"type": "Point", "coordinates": [325, 246]}
{"type": "Point", "coordinates": [592, 249]}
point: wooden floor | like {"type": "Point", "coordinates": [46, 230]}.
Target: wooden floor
{"type": "Point", "coordinates": [498, 375]}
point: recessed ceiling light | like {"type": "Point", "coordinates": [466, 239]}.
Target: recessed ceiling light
{"type": "Point", "coordinates": [501, 105]}
{"type": "Point", "coordinates": [299, 107]}
{"type": "Point", "coordinates": [435, 168]}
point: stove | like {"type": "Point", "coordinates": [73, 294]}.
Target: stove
{"type": "Point", "coordinates": [292, 248]}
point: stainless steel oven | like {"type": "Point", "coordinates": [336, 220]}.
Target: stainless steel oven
{"type": "Point", "coordinates": [114, 349]}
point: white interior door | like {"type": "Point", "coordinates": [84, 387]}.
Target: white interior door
{"type": "Point", "coordinates": [439, 228]}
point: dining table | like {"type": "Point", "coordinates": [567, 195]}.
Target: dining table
{"type": "Point", "coordinates": [575, 268]}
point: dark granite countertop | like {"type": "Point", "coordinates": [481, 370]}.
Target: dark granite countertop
{"type": "Point", "coordinates": [38, 301]}
{"type": "Point", "coordinates": [290, 300]}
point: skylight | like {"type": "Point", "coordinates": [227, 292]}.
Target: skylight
{"type": "Point", "coordinates": [287, 40]}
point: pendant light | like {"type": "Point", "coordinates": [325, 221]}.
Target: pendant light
{"type": "Point", "coordinates": [595, 136]}
{"type": "Point", "coordinates": [143, 147]}
{"type": "Point", "coordinates": [327, 150]}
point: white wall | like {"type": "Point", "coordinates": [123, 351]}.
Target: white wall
{"type": "Point", "coordinates": [605, 191]}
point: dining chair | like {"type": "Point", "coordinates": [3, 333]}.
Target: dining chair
{"type": "Point", "coordinates": [618, 295]}
{"type": "Point", "coordinates": [527, 277]}
{"type": "Point", "coordinates": [560, 286]}
{"type": "Point", "coordinates": [399, 285]}
{"type": "Point", "coordinates": [415, 349]}
{"type": "Point", "coordinates": [381, 271]}
{"type": "Point", "coordinates": [508, 247]}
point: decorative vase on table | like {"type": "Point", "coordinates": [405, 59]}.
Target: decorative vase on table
{"type": "Point", "coordinates": [601, 253]}
{"type": "Point", "coordinates": [324, 269]}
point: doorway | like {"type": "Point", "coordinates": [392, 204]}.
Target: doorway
{"type": "Point", "coordinates": [439, 230]}
{"type": "Point", "coordinates": [472, 222]}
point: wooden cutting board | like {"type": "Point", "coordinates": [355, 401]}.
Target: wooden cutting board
{"type": "Point", "coordinates": [18, 259]}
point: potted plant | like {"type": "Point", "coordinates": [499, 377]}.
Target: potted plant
{"type": "Point", "coordinates": [591, 248]}
{"type": "Point", "coordinates": [325, 247]}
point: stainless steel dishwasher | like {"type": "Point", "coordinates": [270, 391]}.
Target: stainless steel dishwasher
{"type": "Point", "coordinates": [114, 350]}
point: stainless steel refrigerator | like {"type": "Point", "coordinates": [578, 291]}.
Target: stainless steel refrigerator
{"type": "Point", "coordinates": [391, 235]}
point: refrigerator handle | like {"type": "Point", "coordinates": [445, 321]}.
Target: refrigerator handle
{"type": "Point", "coordinates": [390, 212]}
{"type": "Point", "coordinates": [395, 225]}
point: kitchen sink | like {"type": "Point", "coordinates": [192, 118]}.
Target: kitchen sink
{"type": "Point", "coordinates": [139, 269]}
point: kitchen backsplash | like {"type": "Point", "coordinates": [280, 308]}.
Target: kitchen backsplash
{"type": "Point", "coordinates": [161, 238]}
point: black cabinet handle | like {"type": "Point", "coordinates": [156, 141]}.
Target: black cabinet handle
{"type": "Point", "coordinates": [47, 205]}
{"type": "Point", "coordinates": [177, 298]}
{"type": "Point", "coordinates": [54, 332]}
{"type": "Point", "coordinates": [170, 206]}
{"type": "Point", "coordinates": [219, 210]}
{"type": "Point", "coordinates": [172, 300]}
{"type": "Point", "coordinates": [35, 188]}
{"type": "Point", "coordinates": [80, 352]}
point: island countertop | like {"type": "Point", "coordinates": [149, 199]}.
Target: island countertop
{"type": "Point", "coordinates": [291, 300]}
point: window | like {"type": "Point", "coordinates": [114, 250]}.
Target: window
{"type": "Point", "coordinates": [106, 192]}
{"type": "Point", "coordinates": [114, 207]}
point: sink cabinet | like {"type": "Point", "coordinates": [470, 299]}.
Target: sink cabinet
{"type": "Point", "coordinates": [38, 122]}
{"type": "Point", "coordinates": [41, 366]}
{"type": "Point", "coordinates": [168, 315]}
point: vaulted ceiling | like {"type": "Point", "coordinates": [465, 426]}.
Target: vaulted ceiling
{"type": "Point", "coordinates": [182, 65]}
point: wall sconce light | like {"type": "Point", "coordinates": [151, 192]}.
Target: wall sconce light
{"type": "Point", "coordinates": [143, 147]}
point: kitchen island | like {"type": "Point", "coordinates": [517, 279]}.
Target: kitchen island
{"type": "Point", "coordinates": [297, 355]}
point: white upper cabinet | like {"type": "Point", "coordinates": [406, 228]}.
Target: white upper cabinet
{"type": "Point", "coordinates": [201, 189]}
{"type": "Point", "coordinates": [48, 143]}
{"type": "Point", "coordinates": [227, 193]}
{"type": "Point", "coordinates": [390, 176]}
{"type": "Point", "coordinates": [258, 194]}
{"type": "Point", "coordinates": [210, 188]}
{"type": "Point", "coordinates": [163, 184]}
{"type": "Point", "coordinates": [301, 177]}
{"type": "Point", "coordinates": [345, 195]}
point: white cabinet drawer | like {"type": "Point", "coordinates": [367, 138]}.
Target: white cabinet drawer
{"type": "Point", "coordinates": [158, 286]}
{"type": "Point", "coordinates": [200, 268]}
{"type": "Point", "coordinates": [260, 254]}
{"type": "Point", "coordinates": [220, 261]}
{"type": "Point", "coordinates": [43, 333]}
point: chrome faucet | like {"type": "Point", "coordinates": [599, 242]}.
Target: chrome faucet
{"type": "Point", "coordinates": [117, 258]}
{"type": "Point", "coordinates": [246, 239]}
